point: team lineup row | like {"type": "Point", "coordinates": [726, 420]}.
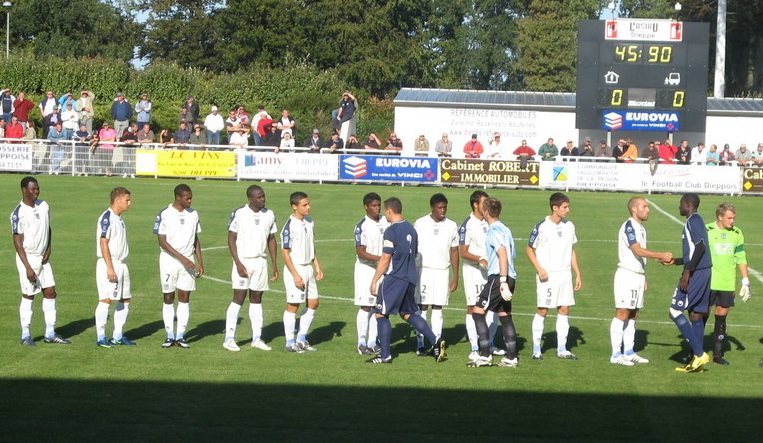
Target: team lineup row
{"type": "Point", "coordinates": [393, 274]}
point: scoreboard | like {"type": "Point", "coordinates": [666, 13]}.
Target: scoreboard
{"type": "Point", "coordinates": [642, 75]}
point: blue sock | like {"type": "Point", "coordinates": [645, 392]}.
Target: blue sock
{"type": "Point", "coordinates": [384, 332]}
{"type": "Point", "coordinates": [698, 327]}
{"type": "Point", "coordinates": [688, 332]}
{"type": "Point", "coordinates": [422, 327]}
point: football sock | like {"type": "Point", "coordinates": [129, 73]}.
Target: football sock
{"type": "Point", "coordinates": [471, 332]}
{"type": "Point", "coordinates": [719, 334]}
{"type": "Point", "coordinates": [49, 312]}
{"type": "Point", "coordinates": [419, 337]}
{"type": "Point", "coordinates": [537, 328]}
{"type": "Point", "coordinates": [437, 322]}
{"type": "Point", "coordinates": [616, 336]}
{"type": "Point", "coordinates": [231, 319]}
{"type": "Point", "coordinates": [492, 325]}
{"type": "Point", "coordinates": [25, 315]}
{"type": "Point", "coordinates": [686, 330]}
{"type": "Point", "coordinates": [481, 325]}
{"type": "Point", "coordinates": [629, 337]}
{"type": "Point", "coordinates": [698, 327]}
{"type": "Point", "coordinates": [385, 336]}
{"type": "Point", "coordinates": [562, 330]}
{"type": "Point", "coordinates": [184, 313]}
{"type": "Point", "coordinates": [373, 327]}
{"type": "Point", "coordinates": [304, 324]}
{"type": "Point", "coordinates": [362, 322]}
{"type": "Point", "coordinates": [101, 317]}
{"type": "Point", "coordinates": [257, 319]}
{"type": "Point", "coordinates": [509, 335]}
{"type": "Point", "coordinates": [421, 326]}
{"type": "Point", "coordinates": [168, 315]}
{"type": "Point", "coordinates": [289, 320]}
{"type": "Point", "coordinates": [120, 318]}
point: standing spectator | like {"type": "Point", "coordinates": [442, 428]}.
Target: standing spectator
{"type": "Point", "coordinates": [130, 140]}
{"type": "Point", "coordinates": [51, 120]}
{"type": "Point", "coordinates": [314, 143]}
{"type": "Point", "coordinates": [6, 104]}
{"type": "Point", "coordinates": [22, 106]}
{"type": "Point", "coordinates": [105, 149]}
{"type": "Point", "coordinates": [348, 104]}
{"type": "Point", "coordinates": [214, 124]}
{"type": "Point", "coordinates": [198, 137]}
{"type": "Point", "coordinates": [272, 138]}
{"type": "Point", "coordinates": [184, 115]}
{"type": "Point", "coordinates": [193, 109]}
{"type": "Point", "coordinates": [81, 151]}
{"type": "Point", "coordinates": [30, 223]}
{"type": "Point", "coordinates": [496, 147]}
{"type": "Point", "coordinates": [85, 108]}
{"type": "Point", "coordinates": [421, 146]}
{"type": "Point", "coordinates": [55, 136]}
{"type": "Point", "coordinates": [143, 108]}
{"type": "Point", "coordinates": [177, 229]}
{"type": "Point", "coordinates": [550, 250]}
{"type": "Point", "coordinates": [182, 136]}
{"type": "Point", "coordinates": [618, 150]}
{"type": "Point", "coordinates": [121, 112]}
{"type": "Point", "coordinates": [372, 143]}
{"type": "Point", "coordinates": [263, 126]}
{"type": "Point", "coordinates": [548, 150]}
{"type": "Point", "coordinates": [70, 120]}
{"type": "Point", "coordinates": [394, 144]}
{"type": "Point", "coordinates": [668, 151]}
{"type": "Point", "coordinates": [251, 237]}
{"type": "Point", "coordinates": [473, 148]}
{"type": "Point", "coordinates": [443, 147]}
{"type": "Point", "coordinates": [286, 124]}
{"type": "Point", "coordinates": [66, 99]}
{"type": "Point", "coordinates": [261, 113]}
{"type": "Point", "coordinates": [569, 150]}
{"type": "Point", "coordinates": [111, 273]}
{"type": "Point", "coordinates": [698, 153]}
{"type": "Point", "coordinates": [683, 154]}
{"type": "Point", "coordinates": [726, 155]}
{"type": "Point", "coordinates": [242, 115]}
{"type": "Point", "coordinates": [47, 104]}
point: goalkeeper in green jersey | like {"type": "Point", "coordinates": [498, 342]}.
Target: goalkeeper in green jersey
{"type": "Point", "coordinates": [727, 251]}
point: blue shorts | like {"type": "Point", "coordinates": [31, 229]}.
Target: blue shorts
{"type": "Point", "coordinates": [697, 298]}
{"type": "Point", "coordinates": [396, 297]}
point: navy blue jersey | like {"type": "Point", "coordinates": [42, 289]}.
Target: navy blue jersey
{"type": "Point", "coordinates": [694, 234]}
{"type": "Point", "coordinates": [402, 242]}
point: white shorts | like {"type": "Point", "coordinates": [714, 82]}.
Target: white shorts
{"type": "Point", "coordinates": [110, 290]}
{"type": "Point", "coordinates": [44, 275]}
{"type": "Point", "coordinates": [295, 295]}
{"type": "Point", "coordinates": [433, 287]}
{"type": "Point", "coordinates": [174, 275]}
{"type": "Point", "coordinates": [474, 280]}
{"type": "Point", "coordinates": [257, 268]}
{"type": "Point", "coordinates": [556, 291]}
{"type": "Point", "coordinates": [364, 275]}
{"type": "Point", "coordinates": [629, 289]}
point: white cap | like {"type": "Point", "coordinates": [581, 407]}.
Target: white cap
{"type": "Point", "coordinates": [214, 108]}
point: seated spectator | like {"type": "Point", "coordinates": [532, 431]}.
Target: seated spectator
{"type": "Point", "coordinates": [51, 120]}
{"type": "Point", "coordinates": [182, 136]}
{"type": "Point", "coordinates": [473, 148]}
{"type": "Point", "coordinates": [372, 143]}
{"type": "Point", "coordinates": [394, 144]}
{"type": "Point", "coordinates": [421, 146]}
{"type": "Point", "coordinates": [603, 150]}
{"type": "Point", "coordinates": [198, 137]}
{"type": "Point", "coordinates": [348, 105]}
{"type": "Point", "coordinates": [524, 152]}
{"type": "Point", "coordinates": [651, 152]}
{"type": "Point", "coordinates": [335, 144]}
{"type": "Point", "coordinates": [496, 147]}
{"type": "Point", "coordinates": [165, 137]}
{"type": "Point", "coordinates": [726, 155]}
{"type": "Point", "coordinates": [569, 150]}
{"type": "Point", "coordinates": [130, 136]}
{"type": "Point", "coordinates": [743, 155]}
{"type": "Point", "coordinates": [684, 154]}
{"type": "Point", "coordinates": [239, 140]}
{"type": "Point", "coordinates": [443, 147]}
{"type": "Point", "coordinates": [667, 152]}
{"type": "Point", "coordinates": [273, 137]}
{"type": "Point", "coordinates": [548, 150]}
{"type": "Point", "coordinates": [757, 156]}
{"type": "Point", "coordinates": [14, 129]}
{"type": "Point", "coordinates": [713, 157]}
{"type": "Point", "coordinates": [630, 152]}
{"type": "Point", "coordinates": [352, 143]}
{"type": "Point", "coordinates": [146, 135]}
{"type": "Point", "coordinates": [314, 143]}
{"type": "Point", "coordinates": [287, 144]}
{"type": "Point", "coordinates": [698, 153]}
{"type": "Point", "coordinates": [586, 150]}
{"type": "Point", "coordinates": [618, 150]}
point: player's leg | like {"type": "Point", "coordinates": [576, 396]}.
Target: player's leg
{"type": "Point", "coordinates": [168, 317]}
{"type": "Point", "coordinates": [289, 324]}
{"type": "Point", "coordinates": [564, 298]}
{"type": "Point", "coordinates": [124, 295]}
{"type": "Point", "coordinates": [308, 315]}
{"type": "Point", "coordinates": [168, 273]}
{"type": "Point", "coordinates": [25, 318]}
{"type": "Point", "coordinates": [257, 319]}
{"type": "Point", "coordinates": [183, 316]}
{"type": "Point", "coordinates": [723, 301]}
{"type": "Point", "coordinates": [616, 328]}
{"type": "Point", "coordinates": [389, 300]}
{"type": "Point", "coordinates": [545, 298]}
{"type": "Point", "coordinates": [437, 320]}
{"type": "Point", "coordinates": [362, 324]}
{"type": "Point", "coordinates": [629, 339]}
{"type": "Point", "coordinates": [48, 284]}
{"type": "Point", "coordinates": [365, 322]}
{"type": "Point", "coordinates": [121, 313]}
{"type": "Point", "coordinates": [482, 332]}
{"type": "Point", "coordinates": [231, 318]}
{"type": "Point", "coordinates": [509, 336]}
{"type": "Point", "coordinates": [101, 317]}
{"type": "Point", "coordinates": [385, 338]}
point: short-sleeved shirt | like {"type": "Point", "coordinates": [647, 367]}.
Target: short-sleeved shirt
{"type": "Point", "coordinates": [180, 228]}
{"type": "Point", "coordinates": [297, 236]}
{"type": "Point", "coordinates": [499, 235]}
{"type": "Point", "coordinates": [472, 234]}
{"type": "Point", "coordinates": [402, 242]}
{"type": "Point", "coordinates": [34, 223]}
{"type": "Point", "coordinates": [252, 231]}
{"type": "Point", "coordinates": [631, 232]}
{"type": "Point", "coordinates": [694, 233]}
{"type": "Point", "coordinates": [112, 227]}
{"type": "Point", "coordinates": [553, 244]}
{"type": "Point", "coordinates": [727, 251]}
{"type": "Point", "coordinates": [370, 233]}
{"type": "Point", "coordinates": [437, 239]}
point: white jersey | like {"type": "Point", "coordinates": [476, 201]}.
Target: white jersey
{"type": "Point", "coordinates": [252, 231]}
{"type": "Point", "coordinates": [34, 224]}
{"type": "Point", "coordinates": [370, 233]}
{"type": "Point", "coordinates": [473, 233]}
{"type": "Point", "coordinates": [435, 241]}
{"type": "Point", "coordinates": [180, 227]}
{"type": "Point", "coordinates": [297, 236]}
{"type": "Point", "coordinates": [112, 227]}
{"type": "Point", "coordinates": [631, 232]}
{"type": "Point", "coordinates": [553, 244]}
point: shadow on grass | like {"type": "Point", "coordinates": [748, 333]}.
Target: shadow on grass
{"type": "Point", "coordinates": [202, 412]}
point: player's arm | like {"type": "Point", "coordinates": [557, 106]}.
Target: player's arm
{"type": "Point", "coordinates": [530, 252]}
{"type": "Point", "coordinates": [197, 254]}
{"type": "Point", "coordinates": [576, 269]}
{"type": "Point", "coordinates": [646, 253]}
{"type": "Point", "coordinates": [286, 256]}
{"type": "Point", "coordinates": [166, 247]}
{"type": "Point", "coordinates": [381, 268]}
{"type": "Point", "coordinates": [240, 268]}
{"type": "Point", "coordinates": [463, 250]}
{"type": "Point", "coordinates": [273, 256]}
{"type": "Point", "coordinates": [503, 269]}
{"type": "Point", "coordinates": [365, 255]}
{"type": "Point", "coordinates": [106, 252]}
{"type": "Point", "coordinates": [699, 251]}
{"type": "Point", "coordinates": [454, 268]}
{"type": "Point", "coordinates": [48, 247]}
{"type": "Point", "coordinates": [318, 269]}
{"type": "Point", "coordinates": [18, 244]}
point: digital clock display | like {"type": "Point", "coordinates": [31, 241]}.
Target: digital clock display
{"type": "Point", "coordinates": [636, 53]}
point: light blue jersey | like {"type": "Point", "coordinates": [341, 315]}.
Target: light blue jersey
{"type": "Point", "coordinates": [499, 235]}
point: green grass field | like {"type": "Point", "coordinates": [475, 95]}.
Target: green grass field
{"type": "Point", "coordinates": [146, 393]}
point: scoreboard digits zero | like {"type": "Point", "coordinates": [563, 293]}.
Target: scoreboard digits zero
{"type": "Point", "coordinates": [642, 75]}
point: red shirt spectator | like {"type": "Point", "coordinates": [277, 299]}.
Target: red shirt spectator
{"type": "Point", "coordinates": [473, 148]}
{"type": "Point", "coordinates": [14, 129]}
{"type": "Point", "coordinates": [22, 107]}
{"type": "Point", "coordinates": [524, 151]}
{"type": "Point", "coordinates": [667, 152]}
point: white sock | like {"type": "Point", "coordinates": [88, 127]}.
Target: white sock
{"type": "Point", "coordinates": [361, 323]}
{"type": "Point", "coordinates": [231, 319]}
{"type": "Point", "coordinates": [168, 315]}
{"type": "Point", "coordinates": [289, 320]}
{"type": "Point", "coordinates": [492, 326]}
{"type": "Point", "coordinates": [25, 316]}
{"type": "Point", "coordinates": [255, 316]}
{"type": "Point", "coordinates": [304, 324]}
{"type": "Point", "coordinates": [562, 331]}
{"type": "Point", "coordinates": [471, 332]}
{"type": "Point", "coordinates": [101, 317]}
{"type": "Point", "coordinates": [419, 337]}
{"type": "Point", "coordinates": [184, 314]}
{"type": "Point", "coordinates": [49, 312]}
{"type": "Point", "coordinates": [437, 322]}
{"type": "Point", "coordinates": [616, 335]}
{"type": "Point", "coordinates": [120, 318]}
{"type": "Point", "coordinates": [372, 329]}
{"type": "Point", "coordinates": [629, 336]}
{"type": "Point", "coordinates": [537, 328]}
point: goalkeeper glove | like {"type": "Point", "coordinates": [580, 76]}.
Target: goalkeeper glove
{"type": "Point", "coordinates": [744, 291]}
{"type": "Point", "coordinates": [505, 291]}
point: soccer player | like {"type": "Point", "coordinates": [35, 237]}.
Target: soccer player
{"type": "Point", "coordinates": [693, 290]}
{"type": "Point", "coordinates": [395, 295]}
{"type": "Point", "coordinates": [369, 234]}
{"type": "Point", "coordinates": [630, 282]}
{"type": "Point", "coordinates": [471, 248]}
{"type": "Point", "coordinates": [251, 236]}
{"type": "Point", "coordinates": [497, 294]}
{"type": "Point", "coordinates": [727, 252]}
{"type": "Point", "coordinates": [438, 236]}
{"type": "Point", "coordinates": [30, 224]}
{"type": "Point", "coordinates": [301, 271]}
{"type": "Point", "coordinates": [177, 227]}
{"type": "Point", "coordinates": [111, 273]}
{"type": "Point", "coordinates": [550, 250]}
